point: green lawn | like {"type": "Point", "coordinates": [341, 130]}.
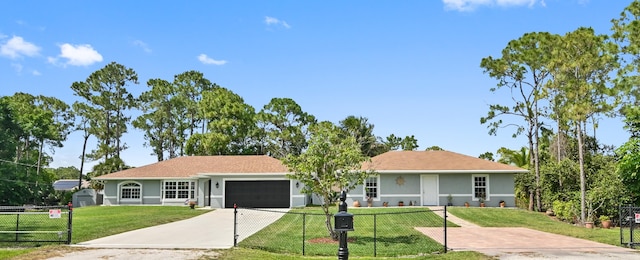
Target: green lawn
{"type": "Point", "coordinates": [395, 234]}
{"type": "Point", "coordinates": [508, 217]}
{"type": "Point", "coordinates": [96, 221]}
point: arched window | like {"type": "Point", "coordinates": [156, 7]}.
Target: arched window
{"type": "Point", "coordinates": [130, 190]}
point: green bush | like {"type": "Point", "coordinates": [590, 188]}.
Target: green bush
{"type": "Point", "coordinates": [566, 210]}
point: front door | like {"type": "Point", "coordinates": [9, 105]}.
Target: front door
{"type": "Point", "coordinates": [430, 190]}
{"type": "Point", "coordinates": [207, 193]}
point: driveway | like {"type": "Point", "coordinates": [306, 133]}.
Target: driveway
{"type": "Point", "coordinates": [213, 230]}
{"type": "Point", "coordinates": [523, 243]}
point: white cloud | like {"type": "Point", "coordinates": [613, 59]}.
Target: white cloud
{"type": "Point", "coordinates": [36, 73]}
{"type": "Point", "coordinates": [206, 60]}
{"type": "Point", "coordinates": [18, 47]}
{"type": "Point", "coordinates": [143, 45]}
{"type": "Point", "coordinates": [275, 22]}
{"type": "Point", "coordinates": [470, 5]}
{"type": "Point", "coordinates": [77, 55]}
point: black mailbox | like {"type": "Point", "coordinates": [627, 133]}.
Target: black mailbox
{"type": "Point", "coordinates": [344, 221]}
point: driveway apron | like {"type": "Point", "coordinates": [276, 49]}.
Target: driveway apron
{"type": "Point", "coordinates": [213, 230]}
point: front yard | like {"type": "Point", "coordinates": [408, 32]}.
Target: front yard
{"type": "Point", "coordinates": [283, 239]}
{"type": "Point", "coordinates": [387, 231]}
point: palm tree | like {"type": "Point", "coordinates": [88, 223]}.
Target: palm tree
{"type": "Point", "coordinates": [516, 158]}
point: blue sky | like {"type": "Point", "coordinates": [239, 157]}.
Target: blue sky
{"type": "Point", "coordinates": [410, 67]}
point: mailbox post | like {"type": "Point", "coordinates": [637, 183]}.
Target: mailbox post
{"type": "Point", "coordinates": [343, 223]}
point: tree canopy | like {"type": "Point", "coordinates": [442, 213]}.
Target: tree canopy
{"type": "Point", "coordinates": [331, 163]}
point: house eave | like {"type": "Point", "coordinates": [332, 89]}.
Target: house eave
{"type": "Point", "coordinates": [242, 173]}
{"type": "Point", "coordinates": [451, 171]}
{"type": "Point", "coordinates": [147, 178]}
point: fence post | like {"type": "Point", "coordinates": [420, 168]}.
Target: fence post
{"type": "Point", "coordinates": [70, 223]}
{"type": "Point", "coordinates": [17, 225]}
{"type": "Point", "coordinates": [620, 224]}
{"type": "Point", "coordinates": [632, 223]}
{"type": "Point", "coordinates": [375, 237]}
{"type": "Point", "coordinates": [304, 225]}
{"type": "Point", "coordinates": [445, 228]}
{"type": "Point", "coordinates": [235, 225]}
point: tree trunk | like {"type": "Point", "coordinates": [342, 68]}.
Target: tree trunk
{"type": "Point", "coordinates": [325, 208]}
{"type": "Point", "coordinates": [107, 139]}
{"type": "Point", "coordinates": [117, 134]}
{"type": "Point", "coordinates": [39, 160]}
{"type": "Point", "coordinates": [532, 190]}
{"type": "Point", "coordinates": [582, 173]}
{"type": "Point", "coordinates": [536, 162]}
{"type": "Point", "coordinates": [84, 149]}
{"type": "Point", "coordinates": [531, 199]}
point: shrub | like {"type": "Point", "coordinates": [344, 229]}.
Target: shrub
{"type": "Point", "coordinates": [566, 210]}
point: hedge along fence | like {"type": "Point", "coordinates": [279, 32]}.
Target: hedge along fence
{"type": "Point", "coordinates": [377, 232]}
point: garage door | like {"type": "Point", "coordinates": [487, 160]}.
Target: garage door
{"type": "Point", "coordinates": [257, 194]}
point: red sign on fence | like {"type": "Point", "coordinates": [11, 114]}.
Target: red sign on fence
{"type": "Point", "coordinates": [55, 213]}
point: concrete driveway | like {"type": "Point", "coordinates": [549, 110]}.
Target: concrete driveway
{"type": "Point", "coordinates": [213, 230]}
{"type": "Point", "coordinates": [523, 243]}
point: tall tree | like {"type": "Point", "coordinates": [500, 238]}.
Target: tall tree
{"type": "Point", "coordinates": [438, 148]}
{"type": "Point", "coordinates": [69, 172]}
{"type": "Point", "coordinates": [409, 143]}
{"type": "Point", "coordinates": [59, 126]}
{"type": "Point", "coordinates": [582, 63]}
{"type": "Point", "coordinates": [522, 70]}
{"type": "Point", "coordinates": [284, 126]}
{"type": "Point", "coordinates": [191, 85]}
{"type": "Point", "coordinates": [45, 121]}
{"type": "Point", "coordinates": [362, 131]}
{"type": "Point", "coordinates": [626, 33]}
{"type": "Point", "coordinates": [393, 142]}
{"type": "Point", "coordinates": [27, 125]}
{"type": "Point", "coordinates": [230, 127]}
{"type": "Point", "coordinates": [10, 132]}
{"type": "Point", "coordinates": [158, 121]}
{"type": "Point", "coordinates": [331, 163]}
{"type": "Point", "coordinates": [84, 113]}
{"type": "Point", "coordinates": [105, 91]}
{"type": "Point", "coordinates": [519, 158]}
{"type": "Point", "coordinates": [486, 155]}
{"type": "Point", "coordinates": [628, 166]}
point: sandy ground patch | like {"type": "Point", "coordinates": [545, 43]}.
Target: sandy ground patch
{"type": "Point", "coordinates": [74, 253]}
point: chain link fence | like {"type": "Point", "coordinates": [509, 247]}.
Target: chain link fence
{"type": "Point", "coordinates": [629, 225]}
{"type": "Point", "coordinates": [35, 225]}
{"type": "Point", "coordinates": [390, 232]}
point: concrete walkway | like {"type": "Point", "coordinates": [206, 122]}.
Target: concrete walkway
{"type": "Point", "coordinates": [451, 218]}
{"type": "Point", "coordinates": [213, 230]}
{"type": "Point", "coordinates": [522, 243]}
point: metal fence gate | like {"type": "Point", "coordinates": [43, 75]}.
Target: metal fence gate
{"type": "Point", "coordinates": [35, 224]}
{"type": "Point", "coordinates": [629, 225]}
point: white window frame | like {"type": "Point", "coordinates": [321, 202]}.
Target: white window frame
{"type": "Point", "coordinates": [123, 185]}
{"type": "Point", "coordinates": [377, 187]}
{"type": "Point", "coordinates": [177, 184]}
{"type": "Point", "coordinates": [486, 187]}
